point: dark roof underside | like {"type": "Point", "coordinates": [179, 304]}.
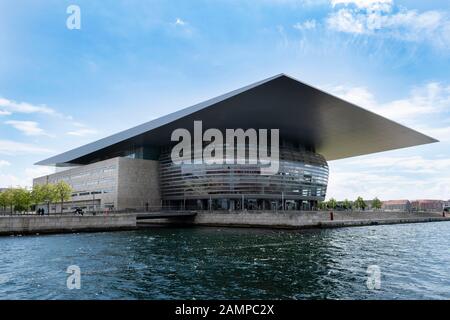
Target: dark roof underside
{"type": "Point", "coordinates": [333, 127]}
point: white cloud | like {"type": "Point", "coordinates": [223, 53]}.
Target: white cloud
{"type": "Point", "coordinates": [305, 25]}
{"type": "Point", "coordinates": [24, 107]}
{"type": "Point", "coordinates": [345, 21]}
{"type": "Point", "coordinates": [416, 164]}
{"type": "Point", "coordinates": [180, 22]}
{"type": "Point", "coordinates": [37, 171]}
{"type": "Point", "coordinates": [440, 133]}
{"type": "Point", "coordinates": [12, 148]}
{"type": "Point", "coordinates": [284, 39]}
{"type": "Point", "coordinates": [10, 106]}
{"type": "Point", "coordinates": [381, 17]}
{"type": "Point", "coordinates": [82, 132]}
{"type": "Point", "coordinates": [78, 124]}
{"type": "Point", "coordinates": [10, 180]}
{"type": "Point", "coordinates": [182, 28]}
{"type": "Point", "coordinates": [29, 128]}
{"type": "Point", "coordinates": [358, 95]}
{"type": "Point", "coordinates": [390, 177]}
{"type": "Point", "coordinates": [4, 163]}
{"type": "Point", "coordinates": [25, 179]}
{"type": "Point", "coordinates": [430, 99]}
{"type": "Point", "coordinates": [426, 109]}
{"type": "Point", "coordinates": [293, 3]}
{"type": "Point", "coordinates": [346, 183]}
{"type": "Point", "coordinates": [366, 4]}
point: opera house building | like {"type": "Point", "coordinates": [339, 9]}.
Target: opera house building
{"type": "Point", "coordinates": [135, 168]}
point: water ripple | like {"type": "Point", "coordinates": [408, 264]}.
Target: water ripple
{"type": "Point", "coordinates": [206, 263]}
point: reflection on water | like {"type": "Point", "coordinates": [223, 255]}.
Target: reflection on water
{"type": "Point", "coordinates": [205, 263]}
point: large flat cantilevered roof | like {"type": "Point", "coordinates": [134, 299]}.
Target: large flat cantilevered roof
{"type": "Point", "coordinates": [333, 127]}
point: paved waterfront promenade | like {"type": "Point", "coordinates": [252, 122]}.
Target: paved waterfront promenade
{"type": "Point", "coordinates": [32, 224]}
{"type": "Point", "coordinates": [301, 219]}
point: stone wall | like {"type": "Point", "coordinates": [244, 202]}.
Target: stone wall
{"type": "Point", "coordinates": [65, 223]}
{"type": "Point", "coordinates": [297, 219]}
{"type": "Point", "coordinates": [138, 183]}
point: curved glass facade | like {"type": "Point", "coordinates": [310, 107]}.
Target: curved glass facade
{"type": "Point", "coordinates": [300, 182]}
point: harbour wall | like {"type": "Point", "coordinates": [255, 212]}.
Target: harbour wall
{"type": "Point", "coordinates": [31, 224]}
{"type": "Point", "coordinates": [301, 219]}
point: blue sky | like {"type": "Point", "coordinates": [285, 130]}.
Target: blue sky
{"type": "Point", "coordinates": [133, 61]}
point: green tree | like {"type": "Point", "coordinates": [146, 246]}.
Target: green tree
{"type": "Point", "coordinates": [376, 203]}
{"type": "Point", "coordinates": [37, 194]}
{"type": "Point", "coordinates": [64, 191]}
{"type": "Point", "coordinates": [49, 195]}
{"type": "Point", "coordinates": [7, 199]}
{"type": "Point", "coordinates": [360, 204]}
{"type": "Point", "coordinates": [322, 205]}
{"type": "Point", "coordinates": [332, 203]}
{"type": "Point", "coordinates": [3, 203]}
{"type": "Point", "coordinates": [21, 198]}
{"type": "Point", "coordinates": [346, 204]}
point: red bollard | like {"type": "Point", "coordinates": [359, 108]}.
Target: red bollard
{"type": "Point", "coordinates": [331, 215]}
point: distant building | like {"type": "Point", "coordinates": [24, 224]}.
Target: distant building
{"type": "Point", "coordinates": [396, 205]}
{"type": "Point", "coordinates": [369, 205]}
{"type": "Point", "coordinates": [447, 206]}
{"type": "Point", "coordinates": [427, 205]}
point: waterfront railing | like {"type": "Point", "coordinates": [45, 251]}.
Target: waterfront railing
{"type": "Point", "coordinates": [159, 209]}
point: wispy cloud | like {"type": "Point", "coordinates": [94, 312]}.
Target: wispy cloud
{"type": "Point", "coordinates": [305, 25]}
{"type": "Point", "coordinates": [12, 148]}
{"type": "Point", "coordinates": [82, 132]}
{"type": "Point", "coordinates": [29, 128]}
{"type": "Point", "coordinates": [8, 107]}
{"type": "Point", "coordinates": [416, 164]}
{"type": "Point", "coordinates": [180, 22]}
{"type": "Point", "coordinates": [383, 18]}
{"type": "Point", "coordinates": [4, 163]}
{"type": "Point", "coordinates": [371, 183]}
{"type": "Point", "coordinates": [24, 107]}
{"type": "Point", "coordinates": [10, 180]}
{"type": "Point", "coordinates": [440, 133]}
{"type": "Point", "coordinates": [292, 3]}
{"type": "Point", "coordinates": [181, 27]}
{"type": "Point", "coordinates": [25, 178]}
{"type": "Point", "coordinates": [426, 109]}
{"type": "Point", "coordinates": [430, 99]}
{"type": "Point", "coordinates": [37, 171]}
{"type": "Point", "coordinates": [366, 4]}
{"type": "Point", "coordinates": [284, 40]}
